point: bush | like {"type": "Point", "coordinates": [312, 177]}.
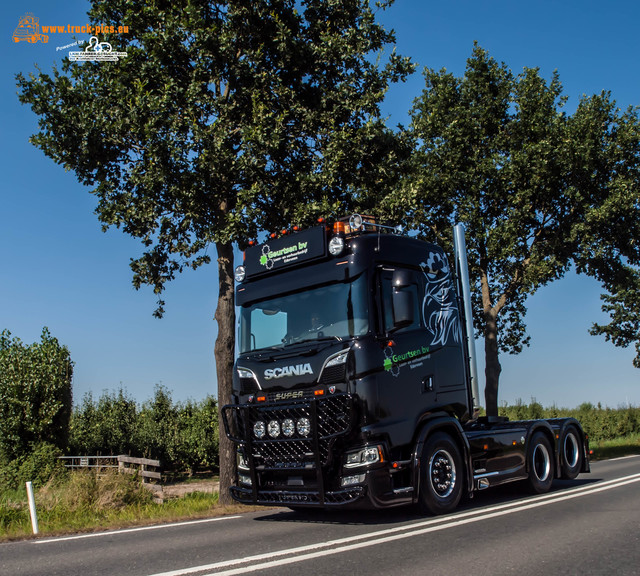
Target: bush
{"type": "Point", "coordinates": [35, 395]}
{"type": "Point", "coordinates": [107, 427]}
{"type": "Point", "coordinates": [183, 436]}
{"type": "Point", "coordinates": [598, 422]}
{"type": "Point", "coordinates": [38, 466]}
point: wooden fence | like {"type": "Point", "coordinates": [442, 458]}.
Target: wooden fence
{"type": "Point", "coordinates": [147, 470]}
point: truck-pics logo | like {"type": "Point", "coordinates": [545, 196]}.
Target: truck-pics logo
{"type": "Point", "coordinates": [29, 30]}
{"type": "Point", "coordinates": [298, 370]}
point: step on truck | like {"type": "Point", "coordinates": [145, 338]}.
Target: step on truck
{"type": "Point", "coordinates": [355, 383]}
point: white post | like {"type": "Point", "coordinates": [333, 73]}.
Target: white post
{"type": "Point", "coordinates": [32, 508]}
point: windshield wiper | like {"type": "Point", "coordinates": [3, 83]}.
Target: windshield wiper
{"type": "Point", "coordinates": [318, 339]}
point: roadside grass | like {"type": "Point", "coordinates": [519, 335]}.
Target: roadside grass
{"type": "Point", "coordinates": [607, 449]}
{"type": "Point", "coordinates": [84, 501]}
{"type": "Point", "coordinates": [88, 502]}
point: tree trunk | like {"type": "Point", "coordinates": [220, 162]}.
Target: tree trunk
{"type": "Point", "coordinates": [224, 355]}
{"type": "Point", "coordinates": [492, 364]}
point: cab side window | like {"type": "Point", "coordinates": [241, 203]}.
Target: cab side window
{"type": "Point", "coordinates": [400, 304]}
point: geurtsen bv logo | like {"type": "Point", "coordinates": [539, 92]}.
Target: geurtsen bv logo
{"type": "Point", "coordinates": [97, 51]}
{"type": "Point", "coordinates": [265, 257]}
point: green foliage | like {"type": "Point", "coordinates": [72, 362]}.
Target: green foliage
{"type": "Point", "coordinates": [105, 427]}
{"type": "Point", "coordinates": [623, 306]}
{"type": "Point", "coordinates": [534, 186]}
{"type": "Point", "coordinates": [225, 119]}
{"type": "Point", "coordinates": [159, 427]}
{"type": "Point", "coordinates": [35, 395]}
{"type": "Point", "coordinates": [182, 435]}
{"type": "Point", "coordinates": [228, 118]}
{"type": "Point", "coordinates": [601, 424]}
{"type": "Point", "coordinates": [38, 466]}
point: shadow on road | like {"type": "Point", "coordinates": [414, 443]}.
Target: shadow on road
{"type": "Point", "coordinates": [491, 497]}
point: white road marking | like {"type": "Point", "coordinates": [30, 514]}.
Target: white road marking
{"type": "Point", "coordinates": [623, 458]}
{"type": "Point", "coordinates": [339, 546]}
{"type": "Point", "coordinates": [129, 530]}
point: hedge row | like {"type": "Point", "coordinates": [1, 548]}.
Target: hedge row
{"type": "Point", "coordinates": [599, 423]}
{"type": "Point", "coordinates": [182, 435]}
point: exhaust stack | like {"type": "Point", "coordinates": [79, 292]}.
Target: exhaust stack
{"type": "Point", "coordinates": [462, 272]}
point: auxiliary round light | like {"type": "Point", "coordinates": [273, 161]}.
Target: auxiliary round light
{"type": "Point", "coordinates": [274, 428]}
{"type": "Point", "coordinates": [303, 426]}
{"type": "Point", "coordinates": [288, 427]}
{"type": "Point", "coordinates": [355, 222]}
{"type": "Point", "coordinates": [336, 245]}
{"type": "Point", "coordinates": [240, 273]}
{"type": "Point", "coordinates": [259, 429]}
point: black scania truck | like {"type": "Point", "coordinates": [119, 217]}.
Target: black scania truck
{"type": "Point", "coordinates": [356, 383]}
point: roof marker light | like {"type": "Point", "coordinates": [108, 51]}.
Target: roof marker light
{"type": "Point", "coordinates": [336, 245]}
{"type": "Point", "coordinates": [240, 273]}
{"type": "Point", "coordinates": [355, 222]}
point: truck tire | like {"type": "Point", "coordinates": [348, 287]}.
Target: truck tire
{"type": "Point", "coordinates": [441, 475]}
{"type": "Point", "coordinates": [570, 453]}
{"type": "Point", "coordinates": [540, 463]}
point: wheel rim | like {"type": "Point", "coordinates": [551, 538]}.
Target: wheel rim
{"type": "Point", "coordinates": [442, 473]}
{"type": "Point", "coordinates": [571, 450]}
{"type": "Point", "coordinates": [541, 462]}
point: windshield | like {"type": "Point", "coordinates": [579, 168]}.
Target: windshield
{"type": "Point", "coordinates": [336, 311]}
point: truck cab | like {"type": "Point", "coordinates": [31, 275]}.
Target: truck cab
{"type": "Point", "coordinates": [353, 379]}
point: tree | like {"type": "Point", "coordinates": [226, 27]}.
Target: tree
{"type": "Point", "coordinates": [35, 395]}
{"type": "Point", "coordinates": [106, 427]}
{"type": "Point", "coordinates": [623, 306]}
{"type": "Point", "coordinates": [497, 152]}
{"type": "Point", "coordinates": [224, 119]}
{"type": "Point", "coordinates": [610, 250]}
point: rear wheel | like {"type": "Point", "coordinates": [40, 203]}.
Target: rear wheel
{"type": "Point", "coordinates": [441, 475]}
{"type": "Point", "coordinates": [540, 462]}
{"type": "Point", "coordinates": [571, 453]}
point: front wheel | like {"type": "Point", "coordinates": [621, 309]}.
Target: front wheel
{"type": "Point", "coordinates": [441, 475]}
{"type": "Point", "coordinates": [540, 462]}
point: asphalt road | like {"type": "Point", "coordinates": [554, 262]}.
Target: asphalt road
{"type": "Point", "coordinates": [590, 525]}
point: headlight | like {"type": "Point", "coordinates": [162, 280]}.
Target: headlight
{"type": "Point", "coordinates": [242, 463]}
{"type": "Point", "coordinates": [303, 426]}
{"type": "Point", "coordinates": [274, 429]}
{"type": "Point", "coordinates": [338, 359]}
{"type": "Point", "coordinates": [364, 457]}
{"type": "Point", "coordinates": [244, 479]}
{"type": "Point", "coordinates": [244, 373]}
{"type": "Point", "coordinates": [288, 427]}
{"type": "Point", "coordinates": [351, 480]}
{"type": "Point", "coordinates": [259, 429]}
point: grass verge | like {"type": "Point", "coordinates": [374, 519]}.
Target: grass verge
{"type": "Point", "coordinates": [606, 449]}
{"type": "Point", "coordinates": [87, 502]}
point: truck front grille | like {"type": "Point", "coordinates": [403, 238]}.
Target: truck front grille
{"type": "Point", "coordinates": [297, 434]}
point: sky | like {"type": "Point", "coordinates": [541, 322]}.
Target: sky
{"type": "Point", "coordinates": [58, 269]}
